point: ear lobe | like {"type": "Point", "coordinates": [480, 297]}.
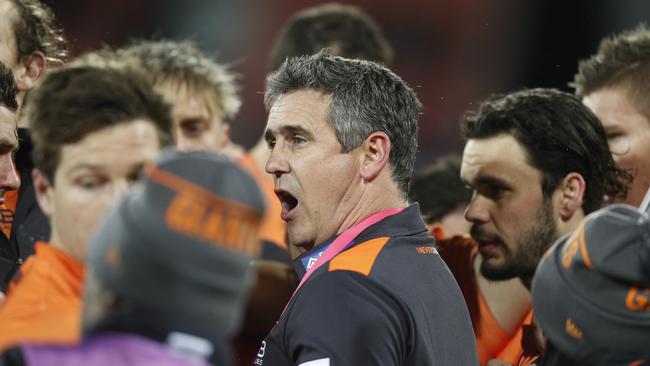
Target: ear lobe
{"type": "Point", "coordinates": [572, 190]}
{"type": "Point", "coordinates": [43, 190]}
{"type": "Point", "coordinates": [31, 71]}
{"type": "Point", "coordinates": [376, 152]}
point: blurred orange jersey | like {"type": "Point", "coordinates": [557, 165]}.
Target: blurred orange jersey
{"type": "Point", "coordinates": [491, 340]}
{"type": "Point", "coordinates": [7, 212]}
{"type": "Point", "coordinates": [43, 304]}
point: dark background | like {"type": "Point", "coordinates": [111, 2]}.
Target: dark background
{"type": "Point", "coordinates": [454, 53]}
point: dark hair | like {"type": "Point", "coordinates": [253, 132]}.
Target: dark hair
{"type": "Point", "coordinates": [73, 102]}
{"type": "Point", "coordinates": [366, 98]}
{"type": "Point", "coordinates": [621, 59]}
{"type": "Point", "coordinates": [438, 189]}
{"type": "Point", "coordinates": [560, 136]}
{"type": "Point", "coordinates": [35, 29]}
{"type": "Point", "coordinates": [7, 88]}
{"type": "Point", "coordinates": [344, 29]}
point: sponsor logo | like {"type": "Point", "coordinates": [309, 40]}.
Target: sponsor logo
{"type": "Point", "coordinates": [426, 250]}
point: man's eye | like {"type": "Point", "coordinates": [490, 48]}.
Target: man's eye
{"type": "Point", "coordinates": [194, 128]}
{"type": "Point", "coordinates": [90, 182]}
{"type": "Point", "coordinates": [298, 140]}
{"type": "Point", "coordinates": [270, 144]}
{"type": "Point", "coordinates": [492, 192]}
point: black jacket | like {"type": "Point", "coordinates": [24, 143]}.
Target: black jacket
{"type": "Point", "coordinates": [30, 224]}
{"type": "Point", "coordinates": [388, 299]}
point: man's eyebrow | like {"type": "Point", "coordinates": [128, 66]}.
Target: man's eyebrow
{"type": "Point", "coordinates": [491, 181]}
{"type": "Point", "coordinates": [288, 129]}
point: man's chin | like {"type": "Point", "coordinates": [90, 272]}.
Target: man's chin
{"type": "Point", "coordinates": [496, 272]}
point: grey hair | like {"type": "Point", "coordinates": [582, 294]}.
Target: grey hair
{"type": "Point", "coordinates": [366, 98]}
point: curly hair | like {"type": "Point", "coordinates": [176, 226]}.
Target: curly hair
{"type": "Point", "coordinates": [35, 29]}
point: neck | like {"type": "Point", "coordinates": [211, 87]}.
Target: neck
{"type": "Point", "coordinates": [373, 199]}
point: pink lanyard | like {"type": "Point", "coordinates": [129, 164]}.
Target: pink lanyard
{"type": "Point", "coordinates": [341, 242]}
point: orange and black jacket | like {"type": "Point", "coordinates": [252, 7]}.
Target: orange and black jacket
{"type": "Point", "coordinates": [388, 299]}
{"type": "Point", "coordinates": [29, 223]}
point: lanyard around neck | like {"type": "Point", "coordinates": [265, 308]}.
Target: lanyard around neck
{"type": "Point", "coordinates": [341, 242]}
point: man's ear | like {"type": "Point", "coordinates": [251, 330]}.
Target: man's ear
{"type": "Point", "coordinates": [375, 155]}
{"type": "Point", "coordinates": [572, 191]}
{"type": "Point", "coordinates": [31, 70]}
{"type": "Point", "coordinates": [43, 190]}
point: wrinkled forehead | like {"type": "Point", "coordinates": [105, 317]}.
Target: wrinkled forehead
{"type": "Point", "coordinates": [307, 108]}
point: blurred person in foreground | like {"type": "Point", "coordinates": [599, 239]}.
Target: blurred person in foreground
{"type": "Point", "coordinates": [31, 43]}
{"type": "Point", "coordinates": [591, 291]}
{"type": "Point", "coordinates": [538, 162]}
{"type": "Point", "coordinates": [615, 84]}
{"type": "Point", "coordinates": [192, 219]}
{"type": "Point", "coordinates": [93, 130]}
{"type": "Point", "coordinates": [496, 308]}
{"type": "Point", "coordinates": [343, 138]}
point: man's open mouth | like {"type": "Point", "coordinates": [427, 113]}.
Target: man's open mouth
{"type": "Point", "coordinates": [288, 202]}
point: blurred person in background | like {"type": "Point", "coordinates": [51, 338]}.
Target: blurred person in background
{"type": "Point", "coordinates": [204, 96]}
{"type": "Point", "coordinates": [443, 197]}
{"type": "Point", "coordinates": [30, 44]}
{"type": "Point", "coordinates": [591, 291]}
{"type": "Point", "coordinates": [538, 162]}
{"type": "Point", "coordinates": [192, 219]}
{"type": "Point", "coordinates": [615, 84]}
{"type": "Point", "coordinates": [343, 139]}
{"type": "Point", "coordinates": [93, 130]}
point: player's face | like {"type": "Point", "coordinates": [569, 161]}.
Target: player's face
{"type": "Point", "coordinates": [314, 178]}
{"type": "Point", "coordinates": [628, 134]}
{"type": "Point", "coordinates": [9, 179]}
{"type": "Point", "coordinates": [91, 176]}
{"type": "Point", "coordinates": [512, 221]}
{"type": "Point", "coordinates": [198, 122]}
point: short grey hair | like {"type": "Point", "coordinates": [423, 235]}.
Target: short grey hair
{"type": "Point", "coordinates": [366, 98]}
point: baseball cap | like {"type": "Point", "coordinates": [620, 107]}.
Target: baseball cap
{"type": "Point", "coordinates": [591, 291]}
{"type": "Point", "coordinates": [177, 248]}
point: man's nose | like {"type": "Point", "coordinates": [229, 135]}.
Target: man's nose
{"type": "Point", "coordinates": [9, 179]}
{"type": "Point", "coordinates": [277, 163]}
{"type": "Point", "coordinates": [477, 211]}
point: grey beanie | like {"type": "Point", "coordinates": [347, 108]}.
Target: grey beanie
{"type": "Point", "coordinates": [591, 291]}
{"type": "Point", "coordinates": [177, 247]}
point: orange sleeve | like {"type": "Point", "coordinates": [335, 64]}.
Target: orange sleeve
{"type": "Point", "coordinates": [37, 310]}
{"type": "Point", "coordinates": [513, 351]}
{"type": "Point", "coordinates": [7, 212]}
{"type": "Point", "coordinates": [459, 252]}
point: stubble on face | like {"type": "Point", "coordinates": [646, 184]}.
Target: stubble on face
{"type": "Point", "coordinates": [529, 246]}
